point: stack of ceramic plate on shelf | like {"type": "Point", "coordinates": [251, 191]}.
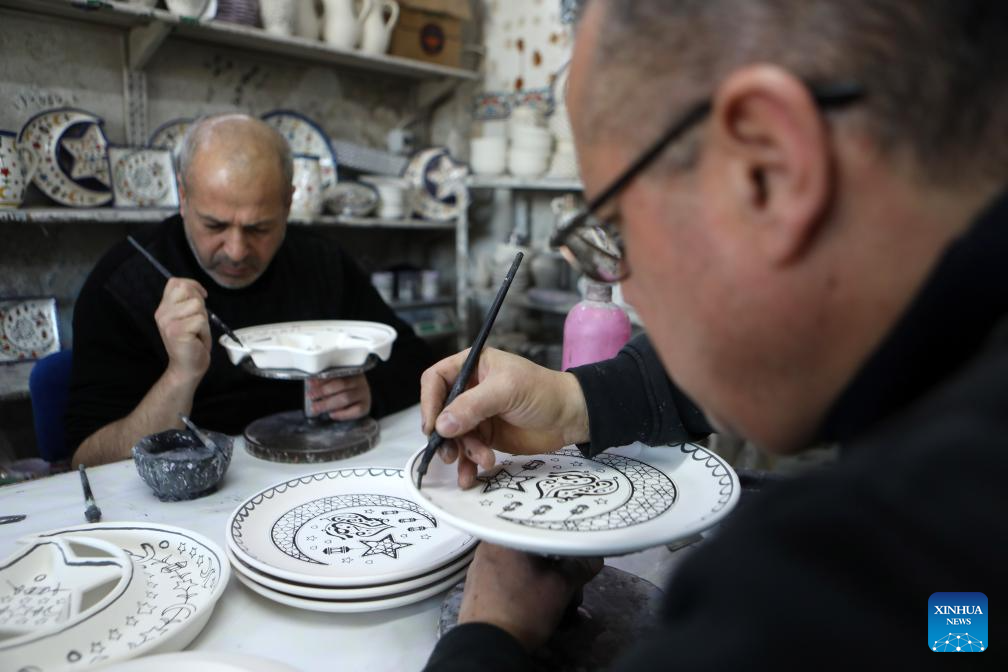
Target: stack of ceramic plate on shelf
{"type": "Point", "coordinates": [345, 541]}
{"type": "Point", "coordinates": [99, 593]}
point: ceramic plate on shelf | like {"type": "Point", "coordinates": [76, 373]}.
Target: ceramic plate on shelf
{"type": "Point", "coordinates": [169, 134]}
{"type": "Point", "coordinates": [352, 199]}
{"type": "Point", "coordinates": [621, 501]}
{"type": "Point", "coordinates": [431, 173]}
{"type": "Point", "coordinates": [204, 661]}
{"type": "Point", "coordinates": [343, 528]}
{"type": "Point", "coordinates": [307, 137]}
{"type": "Point", "coordinates": [178, 576]}
{"type": "Point", "coordinates": [312, 346]}
{"type": "Point", "coordinates": [28, 329]}
{"type": "Point", "coordinates": [354, 606]}
{"type": "Point", "coordinates": [361, 593]}
{"type": "Point", "coordinates": [67, 154]}
{"type": "Point", "coordinates": [143, 177]}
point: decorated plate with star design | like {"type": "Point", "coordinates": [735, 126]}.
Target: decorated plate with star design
{"type": "Point", "coordinates": [342, 528]}
{"type": "Point", "coordinates": [620, 501]}
{"type": "Point", "coordinates": [433, 173]}
{"type": "Point", "coordinates": [178, 576]}
{"type": "Point", "coordinates": [305, 136]}
{"type": "Point", "coordinates": [67, 155]}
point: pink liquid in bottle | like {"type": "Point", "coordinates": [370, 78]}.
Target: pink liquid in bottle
{"type": "Point", "coordinates": [595, 329]}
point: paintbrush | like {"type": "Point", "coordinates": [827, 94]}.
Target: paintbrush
{"type": "Point", "coordinates": [435, 440]}
{"type": "Point", "coordinates": [168, 276]}
{"type": "Point", "coordinates": [92, 512]}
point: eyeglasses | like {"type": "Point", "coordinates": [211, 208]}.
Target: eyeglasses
{"type": "Point", "coordinates": [595, 247]}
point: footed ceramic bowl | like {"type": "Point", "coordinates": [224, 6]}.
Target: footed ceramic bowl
{"type": "Point", "coordinates": [178, 467]}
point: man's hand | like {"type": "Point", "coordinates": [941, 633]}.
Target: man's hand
{"type": "Point", "coordinates": [524, 594]}
{"type": "Point", "coordinates": [342, 398]}
{"type": "Point", "coordinates": [513, 406]}
{"type": "Point", "coordinates": [185, 330]}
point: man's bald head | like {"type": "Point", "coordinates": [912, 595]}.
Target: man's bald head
{"type": "Point", "coordinates": [237, 143]}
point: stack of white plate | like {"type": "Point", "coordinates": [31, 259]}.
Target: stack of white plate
{"type": "Point", "coordinates": [345, 541]}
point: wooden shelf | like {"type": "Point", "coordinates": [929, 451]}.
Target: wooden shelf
{"type": "Point", "coordinates": [150, 26]}
{"type": "Point", "coordinates": [523, 184]}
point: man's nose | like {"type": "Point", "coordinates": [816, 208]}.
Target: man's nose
{"type": "Point", "coordinates": [235, 245]}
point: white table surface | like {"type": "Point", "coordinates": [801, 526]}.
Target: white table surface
{"type": "Point", "coordinates": [243, 622]}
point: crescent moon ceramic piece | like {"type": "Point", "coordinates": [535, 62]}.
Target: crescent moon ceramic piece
{"type": "Point", "coordinates": [340, 529]}
{"type": "Point", "coordinates": [67, 149]}
{"type": "Point", "coordinates": [431, 173]}
{"type": "Point", "coordinates": [621, 501]}
{"type": "Point", "coordinates": [305, 136]}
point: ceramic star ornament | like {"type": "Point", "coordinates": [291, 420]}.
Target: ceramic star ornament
{"type": "Point", "coordinates": [89, 155]}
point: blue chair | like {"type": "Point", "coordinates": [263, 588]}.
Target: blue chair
{"type": "Point", "coordinates": [49, 386]}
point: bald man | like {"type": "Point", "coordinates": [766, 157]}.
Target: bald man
{"type": "Point", "coordinates": [143, 348]}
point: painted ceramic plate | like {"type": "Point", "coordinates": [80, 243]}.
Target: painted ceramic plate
{"type": "Point", "coordinates": [28, 329]}
{"type": "Point", "coordinates": [67, 153]}
{"type": "Point", "coordinates": [169, 134]}
{"type": "Point", "coordinates": [143, 177]}
{"type": "Point", "coordinates": [204, 661]}
{"type": "Point", "coordinates": [362, 593]}
{"type": "Point", "coordinates": [347, 528]}
{"type": "Point", "coordinates": [431, 173]}
{"type": "Point", "coordinates": [354, 606]}
{"type": "Point", "coordinates": [307, 137]}
{"type": "Point", "coordinates": [353, 199]}
{"type": "Point", "coordinates": [622, 501]}
{"type": "Point", "coordinates": [312, 346]}
{"type": "Point", "coordinates": [182, 574]}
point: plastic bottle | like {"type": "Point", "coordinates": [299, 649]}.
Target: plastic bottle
{"type": "Point", "coordinates": [595, 329]}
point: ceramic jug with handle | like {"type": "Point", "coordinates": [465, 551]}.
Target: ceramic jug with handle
{"type": "Point", "coordinates": [342, 24]}
{"type": "Point", "coordinates": [378, 27]}
{"type": "Point", "coordinates": [308, 23]}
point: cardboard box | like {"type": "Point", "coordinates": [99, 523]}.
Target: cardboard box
{"type": "Point", "coordinates": [430, 30]}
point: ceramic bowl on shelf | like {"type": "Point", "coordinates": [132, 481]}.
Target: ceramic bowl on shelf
{"type": "Point", "coordinates": [311, 346]}
{"type": "Point", "coordinates": [352, 199]}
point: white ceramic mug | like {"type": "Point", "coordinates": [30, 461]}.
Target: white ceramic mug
{"type": "Point", "coordinates": [392, 195]}
{"type": "Point", "coordinates": [15, 171]}
{"type": "Point", "coordinates": [307, 182]}
{"type": "Point", "coordinates": [378, 29]}
{"type": "Point", "coordinates": [278, 16]}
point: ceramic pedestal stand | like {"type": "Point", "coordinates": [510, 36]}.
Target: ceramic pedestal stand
{"type": "Point", "coordinates": [298, 436]}
{"type": "Point", "coordinates": [616, 609]}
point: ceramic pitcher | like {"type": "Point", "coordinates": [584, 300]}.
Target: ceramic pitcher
{"type": "Point", "coordinates": [278, 16]}
{"type": "Point", "coordinates": [15, 171]}
{"type": "Point", "coordinates": [308, 23]}
{"type": "Point", "coordinates": [378, 27]}
{"type": "Point", "coordinates": [342, 24]}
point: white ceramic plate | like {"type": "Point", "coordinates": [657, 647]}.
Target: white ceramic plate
{"type": "Point", "coordinates": [307, 137]}
{"type": "Point", "coordinates": [431, 173]}
{"type": "Point", "coordinates": [204, 661]}
{"type": "Point", "coordinates": [28, 329]}
{"type": "Point", "coordinates": [622, 501]}
{"type": "Point", "coordinates": [344, 528]}
{"type": "Point", "coordinates": [169, 134]}
{"type": "Point", "coordinates": [184, 574]}
{"type": "Point", "coordinates": [55, 583]}
{"type": "Point", "coordinates": [143, 177]}
{"type": "Point", "coordinates": [311, 346]}
{"type": "Point", "coordinates": [363, 593]}
{"type": "Point", "coordinates": [71, 169]}
{"type": "Point", "coordinates": [353, 606]}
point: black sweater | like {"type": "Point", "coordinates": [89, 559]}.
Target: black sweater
{"type": "Point", "coordinates": [118, 353]}
{"type": "Point", "coordinates": [838, 565]}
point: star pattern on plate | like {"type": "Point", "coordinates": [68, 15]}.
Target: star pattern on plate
{"type": "Point", "coordinates": [504, 480]}
{"type": "Point", "coordinates": [384, 546]}
{"type": "Point", "coordinates": [88, 152]}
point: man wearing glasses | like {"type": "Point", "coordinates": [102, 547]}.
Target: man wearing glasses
{"type": "Point", "coordinates": [803, 199]}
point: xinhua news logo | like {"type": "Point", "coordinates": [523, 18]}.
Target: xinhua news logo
{"type": "Point", "coordinates": [957, 622]}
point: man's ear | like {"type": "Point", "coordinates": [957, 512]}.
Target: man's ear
{"type": "Point", "coordinates": [772, 161]}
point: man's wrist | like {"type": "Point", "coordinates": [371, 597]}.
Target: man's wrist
{"type": "Point", "coordinates": [575, 413]}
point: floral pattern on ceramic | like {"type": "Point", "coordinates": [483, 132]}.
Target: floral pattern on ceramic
{"type": "Point", "coordinates": [13, 171]}
{"type": "Point", "coordinates": [143, 177]}
{"type": "Point", "coordinates": [28, 329]}
{"type": "Point", "coordinates": [66, 150]}
{"type": "Point", "coordinates": [307, 200]}
{"type": "Point", "coordinates": [307, 137]}
{"type": "Point", "coordinates": [353, 199]}
{"type": "Point", "coordinates": [433, 173]}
